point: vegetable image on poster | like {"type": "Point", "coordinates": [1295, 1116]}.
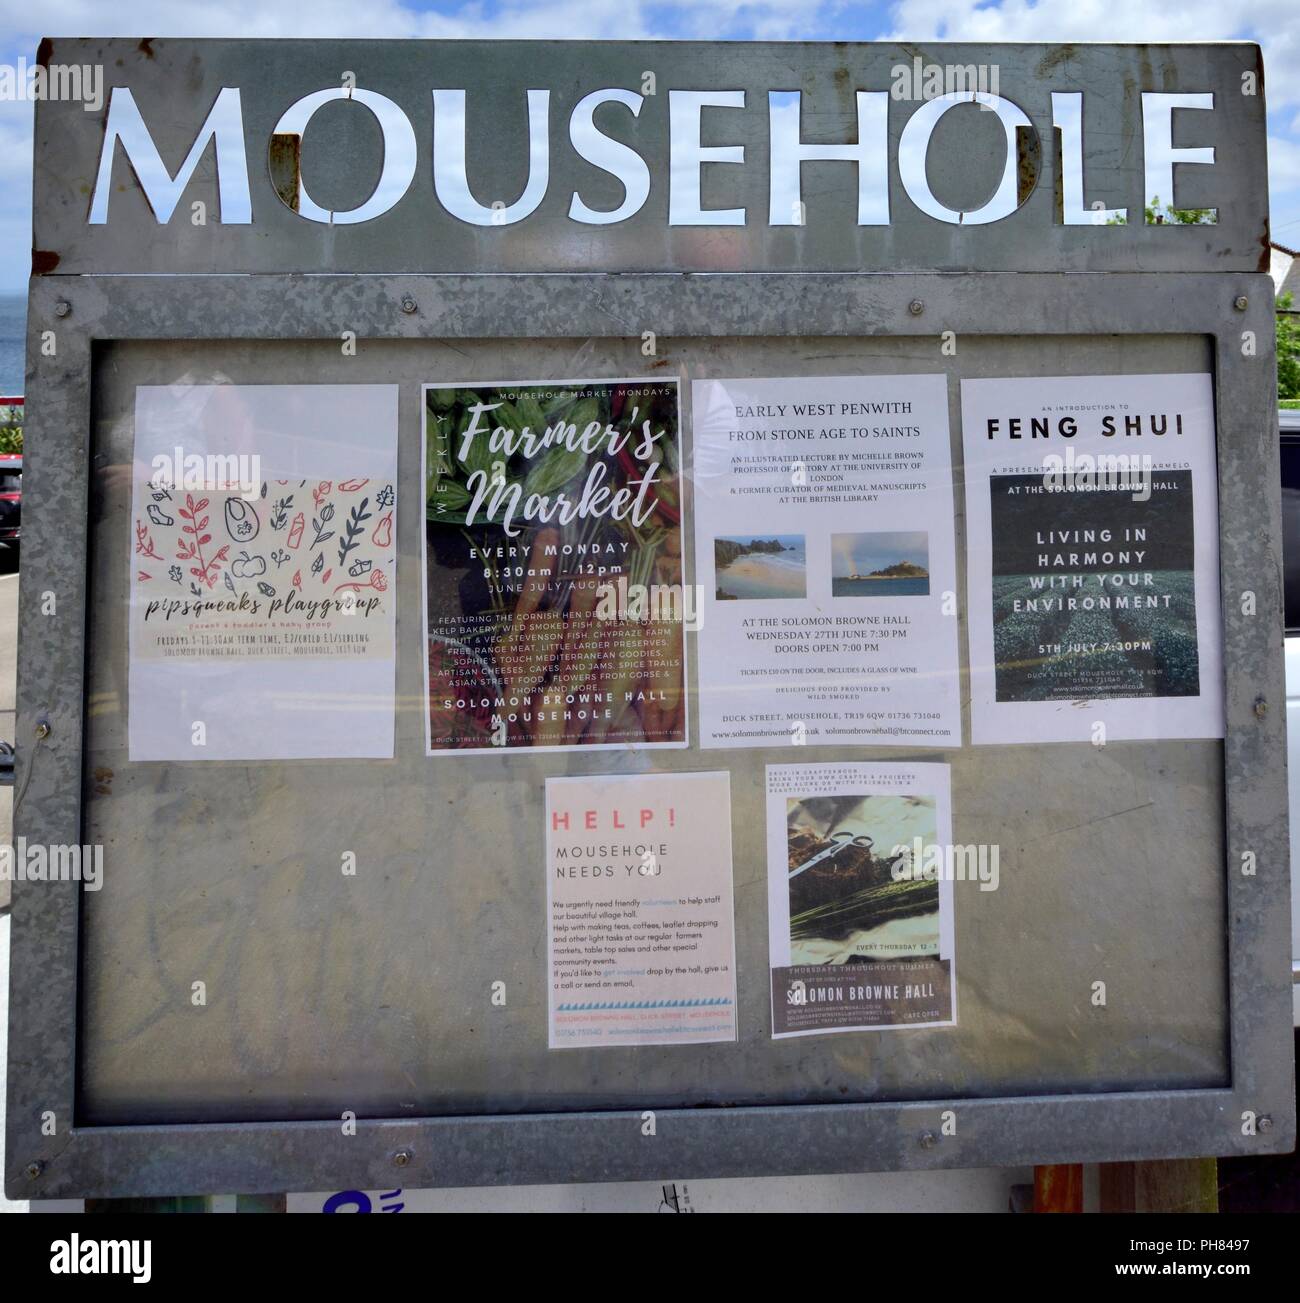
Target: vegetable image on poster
{"type": "Point", "coordinates": [555, 606]}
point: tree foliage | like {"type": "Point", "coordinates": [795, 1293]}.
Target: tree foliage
{"type": "Point", "coordinates": [11, 430]}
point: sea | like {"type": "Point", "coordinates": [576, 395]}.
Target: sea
{"type": "Point", "coordinates": [13, 328]}
{"type": "Point", "coordinates": [917, 587]}
{"type": "Point", "coordinates": [768, 574]}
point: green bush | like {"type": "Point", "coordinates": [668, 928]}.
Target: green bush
{"type": "Point", "coordinates": [1288, 350]}
{"type": "Point", "coordinates": [11, 430]}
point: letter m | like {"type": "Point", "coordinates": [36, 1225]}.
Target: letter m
{"type": "Point", "coordinates": [224, 126]}
{"type": "Point", "coordinates": [65, 863]}
{"type": "Point", "coordinates": [962, 79]}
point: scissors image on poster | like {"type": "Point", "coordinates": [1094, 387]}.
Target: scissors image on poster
{"type": "Point", "coordinates": [842, 841]}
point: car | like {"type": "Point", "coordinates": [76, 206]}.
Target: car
{"type": "Point", "coordinates": [11, 491]}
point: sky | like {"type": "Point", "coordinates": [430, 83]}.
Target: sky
{"type": "Point", "coordinates": [1275, 24]}
{"type": "Point", "coordinates": [864, 553]}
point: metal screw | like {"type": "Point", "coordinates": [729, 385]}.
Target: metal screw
{"type": "Point", "coordinates": [1241, 303]}
{"type": "Point", "coordinates": [401, 1158]}
{"type": "Point", "coordinates": [62, 308]}
{"type": "Point", "coordinates": [916, 307]}
{"type": "Point", "coordinates": [42, 730]}
{"type": "Point", "coordinates": [408, 303]}
{"type": "Point", "coordinates": [1261, 708]}
{"type": "Point", "coordinates": [1265, 1123]}
{"type": "Point", "coordinates": [34, 1170]}
{"type": "Point", "coordinates": [928, 1140]}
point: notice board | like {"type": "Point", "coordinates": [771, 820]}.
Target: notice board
{"type": "Point", "coordinates": [707, 608]}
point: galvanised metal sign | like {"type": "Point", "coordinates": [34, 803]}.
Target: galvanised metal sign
{"type": "Point", "coordinates": [338, 967]}
{"type": "Point", "coordinates": [645, 156]}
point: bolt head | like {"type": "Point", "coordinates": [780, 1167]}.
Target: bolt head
{"type": "Point", "coordinates": [402, 1158]}
{"type": "Point", "coordinates": [33, 1170]}
{"type": "Point", "coordinates": [1261, 708]}
{"type": "Point", "coordinates": [1241, 303]}
{"type": "Point", "coordinates": [408, 303]}
{"type": "Point", "coordinates": [928, 1140]}
{"type": "Point", "coordinates": [62, 308]}
{"type": "Point", "coordinates": [1264, 1124]}
{"type": "Point", "coordinates": [42, 730]}
{"type": "Point", "coordinates": [916, 307]}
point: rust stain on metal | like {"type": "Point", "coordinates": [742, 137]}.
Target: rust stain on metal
{"type": "Point", "coordinates": [146, 46]}
{"type": "Point", "coordinates": [44, 261]}
{"type": "Point", "coordinates": [284, 158]}
{"type": "Point", "coordinates": [43, 52]}
{"type": "Point", "coordinates": [1058, 178]}
{"type": "Point", "coordinates": [1054, 58]}
{"type": "Point", "coordinates": [1029, 162]}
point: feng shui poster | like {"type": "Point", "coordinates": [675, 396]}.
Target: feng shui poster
{"type": "Point", "coordinates": [555, 607]}
{"type": "Point", "coordinates": [1093, 558]}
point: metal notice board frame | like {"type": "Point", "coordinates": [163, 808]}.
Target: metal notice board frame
{"type": "Point", "coordinates": [52, 1151]}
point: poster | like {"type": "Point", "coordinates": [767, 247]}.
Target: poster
{"type": "Point", "coordinates": [859, 897]}
{"type": "Point", "coordinates": [1093, 558]}
{"type": "Point", "coordinates": [263, 572]}
{"type": "Point", "coordinates": [640, 939]}
{"type": "Point", "coordinates": [826, 562]}
{"type": "Point", "coordinates": [555, 609]}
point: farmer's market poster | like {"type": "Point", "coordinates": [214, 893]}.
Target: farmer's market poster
{"type": "Point", "coordinates": [859, 901]}
{"type": "Point", "coordinates": [554, 599]}
{"type": "Point", "coordinates": [1093, 558]}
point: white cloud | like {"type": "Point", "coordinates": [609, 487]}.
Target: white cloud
{"type": "Point", "coordinates": [1272, 23]}
{"type": "Point", "coordinates": [387, 19]}
{"type": "Point", "coordinates": [1283, 164]}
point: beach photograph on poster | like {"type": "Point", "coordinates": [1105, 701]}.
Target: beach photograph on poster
{"type": "Point", "coordinates": [555, 604]}
{"type": "Point", "coordinates": [1092, 539]}
{"type": "Point", "coordinates": [860, 936]}
{"type": "Point", "coordinates": [880, 565]}
{"type": "Point", "coordinates": [751, 567]}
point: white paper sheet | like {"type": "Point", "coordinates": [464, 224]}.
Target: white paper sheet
{"type": "Point", "coordinates": [262, 623]}
{"type": "Point", "coordinates": [859, 939]}
{"type": "Point", "coordinates": [825, 559]}
{"type": "Point", "coordinates": [1093, 586]}
{"type": "Point", "coordinates": [640, 931]}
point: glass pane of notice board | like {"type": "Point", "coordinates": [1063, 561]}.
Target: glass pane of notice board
{"type": "Point", "coordinates": [374, 989]}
